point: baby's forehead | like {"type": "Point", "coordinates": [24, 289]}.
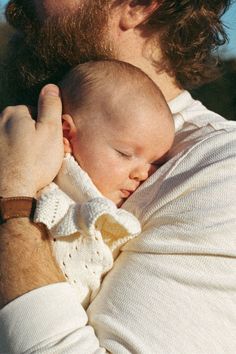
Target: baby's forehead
{"type": "Point", "coordinates": [139, 109]}
{"type": "Point", "coordinates": [128, 103]}
{"type": "Point", "coordinates": [130, 95]}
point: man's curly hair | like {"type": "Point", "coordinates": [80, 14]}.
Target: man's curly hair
{"type": "Point", "coordinates": [188, 33]}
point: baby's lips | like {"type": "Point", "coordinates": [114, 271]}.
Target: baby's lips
{"type": "Point", "coordinates": [126, 193]}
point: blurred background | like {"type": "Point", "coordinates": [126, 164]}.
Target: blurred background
{"type": "Point", "coordinates": [220, 95]}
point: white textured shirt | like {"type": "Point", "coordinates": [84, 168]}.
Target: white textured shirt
{"type": "Point", "coordinates": [172, 289]}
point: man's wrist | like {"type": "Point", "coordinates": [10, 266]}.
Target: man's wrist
{"type": "Point", "coordinates": [17, 192]}
{"type": "Point", "coordinates": [17, 188]}
{"type": "Point", "coordinates": [26, 258]}
{"type": "Point", "coordinates": [17, 207]}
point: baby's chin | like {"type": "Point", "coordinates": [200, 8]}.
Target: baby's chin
{"type": "Point", "coordinates": [120, 203]}
{"type": "Point", "coordinates": [117, 200]}
{"type": "Point", "coordinates": [115, 196]}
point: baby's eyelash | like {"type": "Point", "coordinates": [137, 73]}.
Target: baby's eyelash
{"type": "Point", "coordinates": [123, 154]}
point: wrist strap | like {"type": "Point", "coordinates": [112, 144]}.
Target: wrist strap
{"type": "Point", "coordinates": [17, 207]}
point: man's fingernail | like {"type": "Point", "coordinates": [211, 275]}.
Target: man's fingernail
{"type": "Point", "coordinates": [51, 90]}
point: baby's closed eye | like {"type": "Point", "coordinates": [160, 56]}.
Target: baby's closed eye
{"type": "Point", "coordinates": [124, 154]}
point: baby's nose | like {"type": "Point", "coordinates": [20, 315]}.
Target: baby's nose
{"type": "Point", "coordinates": [140, 173]}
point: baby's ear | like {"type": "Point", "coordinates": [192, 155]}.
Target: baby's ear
{"type": "Point", "coordinates": [69, 130]}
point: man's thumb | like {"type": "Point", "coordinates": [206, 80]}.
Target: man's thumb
{"type": "Point", "coordinates": [49, 105]}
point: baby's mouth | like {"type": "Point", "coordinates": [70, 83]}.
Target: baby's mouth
{"type": "Point", "coordinates": [126, 193]}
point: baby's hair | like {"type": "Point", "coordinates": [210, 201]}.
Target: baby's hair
{"type": "Point", "coordinates": [88, 81]}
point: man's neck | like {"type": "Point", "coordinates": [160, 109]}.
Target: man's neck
{"type": "Point", "coordinates": [165, 82]}
{"type": "Point", "coordinates": [135, 50]}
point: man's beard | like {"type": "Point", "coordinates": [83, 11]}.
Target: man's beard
{"type": "Point", "coordinates": [39, 53]}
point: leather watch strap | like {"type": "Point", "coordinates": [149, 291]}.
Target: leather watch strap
{"type": "Point", "coordinates": [16, 207]}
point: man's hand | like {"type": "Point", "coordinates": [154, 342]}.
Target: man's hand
{"type": "Point", "coordinates": [30, 156]}
{"type": "Point", "coordinates": [31, 152]}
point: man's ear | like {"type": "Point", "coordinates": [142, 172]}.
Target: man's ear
{"type": "Point", "coordinates": [69, 130]}
{"type": "Point", "coordinates": [134, 13]}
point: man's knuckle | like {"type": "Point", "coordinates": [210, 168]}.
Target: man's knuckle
{"type": "Point", "coordinates": [22, 110]}
{"type": "Point", "coordinates": [7, 111]}
{"type": "Point", "coordinates": [15, 112]}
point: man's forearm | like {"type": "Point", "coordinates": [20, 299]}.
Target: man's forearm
{"type": "Point", "coordinates": [26, 259]}
{"type": "Point", "coordinates": [30, 159]}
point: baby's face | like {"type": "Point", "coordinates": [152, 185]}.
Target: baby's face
{"type": "Point", "coordinates": [121, 152]}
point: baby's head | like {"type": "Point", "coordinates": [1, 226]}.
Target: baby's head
{"type": "Point", "coordinates": [117, 125]}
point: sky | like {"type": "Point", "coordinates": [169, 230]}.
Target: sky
{"type": "Point", "coordinates": [229, 19]}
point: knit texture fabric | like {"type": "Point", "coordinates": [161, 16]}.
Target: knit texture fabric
{"type": "Point", "coordinates": [87, 229]}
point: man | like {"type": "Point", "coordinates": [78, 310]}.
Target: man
{"type": "Point", "coordinates": [172, 289]}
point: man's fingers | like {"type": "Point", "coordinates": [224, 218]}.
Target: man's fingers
{"type": "Point", "coordinates": [49, 105]}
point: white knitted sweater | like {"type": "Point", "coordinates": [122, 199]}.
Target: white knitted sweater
{"type": "Point", "coordinates": [87, 229]}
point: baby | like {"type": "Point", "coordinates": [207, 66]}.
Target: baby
{"type": "Point", "coordinates": [117, 130]}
